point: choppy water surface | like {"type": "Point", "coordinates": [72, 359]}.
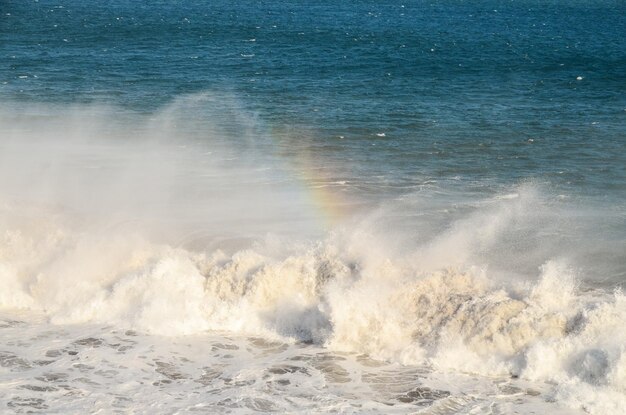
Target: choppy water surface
{"type": "Point", "coordinates": [68, 369]}
{"type": "Point", "coordinates": [276, 206]}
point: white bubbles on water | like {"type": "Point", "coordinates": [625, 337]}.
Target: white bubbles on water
{"type": "Point", "coordinates": [149, 228]}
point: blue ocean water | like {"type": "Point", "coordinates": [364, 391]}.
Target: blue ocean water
{"type": "Point", "coordinates": [382, 192]}
{"type": "Point", "coordinates": [389, 97]}
{"type": "Point", "coordinates": [501, 90]}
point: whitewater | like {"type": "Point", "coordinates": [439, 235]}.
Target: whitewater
{"type": "Point", "coordinates": [159, 263]}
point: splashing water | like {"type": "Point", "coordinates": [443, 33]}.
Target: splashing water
{"type": "Point", "coordinates": [168, 235]}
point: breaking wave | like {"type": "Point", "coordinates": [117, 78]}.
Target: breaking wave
{"type": "Point", "coordinates": [451, 298]}
{"type": "Point", "coordinates": [334, 293]}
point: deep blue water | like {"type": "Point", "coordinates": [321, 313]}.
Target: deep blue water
{"type": "Point", "coordinates": [483, 90]}
{"type": "Point", "coordinates": [466, 99]}
{"type": "Point", "coordinates": [440, 183]}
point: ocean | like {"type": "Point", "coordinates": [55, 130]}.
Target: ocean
{"type": "Point", "coordinates": [313, 207]}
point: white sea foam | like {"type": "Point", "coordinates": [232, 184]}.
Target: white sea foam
{"type": "Point", "coordinates": [81, 248]}
{"type": "Point", "coordinates": [333, 295]}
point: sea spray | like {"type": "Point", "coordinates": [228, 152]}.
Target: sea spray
{"type": "Point", "coordinates": [145, 234]}
{"type": "Point", "coordinates": [453, 319]}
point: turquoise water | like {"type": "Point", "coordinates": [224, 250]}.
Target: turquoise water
{"type": "Point", "coordinates": [429, 190]}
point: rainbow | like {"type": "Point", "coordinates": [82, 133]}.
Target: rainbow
{"type": "Point", "coordinates": [331, 204]}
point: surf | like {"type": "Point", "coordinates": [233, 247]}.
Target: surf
{"type": "Point", "coordinates": [168, 231]}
